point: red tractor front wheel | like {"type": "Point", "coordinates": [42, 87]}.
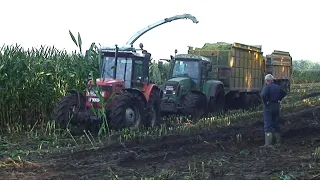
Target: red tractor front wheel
{"type": "Point", "coordinates": [127, 112]}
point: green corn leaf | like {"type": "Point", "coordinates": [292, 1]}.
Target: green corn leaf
{"type": "Point", "coordinates": [92, 46]}
{"type": "Point", "coordinates": [73, 38]}
{"type": "Point", "coordinates": [80, 42]}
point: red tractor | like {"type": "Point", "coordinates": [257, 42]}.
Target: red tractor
{"type": "Point", "coordinates": [131, 99]}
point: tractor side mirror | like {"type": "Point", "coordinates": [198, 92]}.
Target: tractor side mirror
{"type": "Point", "coordinates": [171, 57]}
{"type": "Point", "coordinates": [209, 68]}
{"type": "Point", "coordinates": [146, 62]}
{"type": "Point", "coordinates": [147, 57]}
{"type": "Point", "coordinates": [160, 65]}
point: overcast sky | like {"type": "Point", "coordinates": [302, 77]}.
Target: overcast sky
{"type": "Point", "coordinates": [276, 25]}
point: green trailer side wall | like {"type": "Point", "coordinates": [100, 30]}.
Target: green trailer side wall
{"type": "Point", "coordinates": [240, 67]}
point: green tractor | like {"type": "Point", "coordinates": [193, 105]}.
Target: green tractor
{"type": "Point", "coordinates": [189, 88]}
{"type": "Point", "coordinates": [211, 81]}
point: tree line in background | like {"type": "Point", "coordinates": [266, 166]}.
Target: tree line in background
{"type": "Point", "coordinates": [305, 71]}
{"type": "Point", "coordinates": [305, 65]}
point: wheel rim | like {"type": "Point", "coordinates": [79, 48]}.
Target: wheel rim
{"type": "Point", "coordinates": [130, 116]}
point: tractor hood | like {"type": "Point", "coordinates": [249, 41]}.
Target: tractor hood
{"type": "Point", "coordinates": [106, 82]}
{"type": "Point", "coordinates": [173, 85]}
{"type": "Point", "coordinates": [179, 79]}
{"type": "Point", "coordinates": [108, 87]}
{"type": "Point", "coordinates": [182, 81]}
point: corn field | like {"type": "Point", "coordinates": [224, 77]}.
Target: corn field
{"type": "Point", "coordinates": [33, 80]}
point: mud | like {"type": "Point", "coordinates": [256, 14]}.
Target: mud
{"type": "Point", "coordinates": [231, 152]}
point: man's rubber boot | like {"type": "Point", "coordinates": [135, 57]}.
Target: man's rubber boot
{"type": "Point", "coordinates": [278, 138]}
{"type": "Point", "coordinates": [268, 140]}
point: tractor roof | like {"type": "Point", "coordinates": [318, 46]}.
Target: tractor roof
{"type": "Point", "coordinates": [130, 51]}
{"type": "Point", "coordinates": [192, 56]}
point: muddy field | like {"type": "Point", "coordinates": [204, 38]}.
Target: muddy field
{"type": "Point", "coordinates": [229, 153]}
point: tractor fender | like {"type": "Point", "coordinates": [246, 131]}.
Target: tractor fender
{"type": "Point", "coordinates": [210, 88]}
{"type": "Point", "coordinates": [79, 94]}
{"type": "Point", "coordinates": [73, 91]}
{"type": "Point", "coordinates": [149, 88]}
{"type": "Point", "coordinates": [137, 92]}
{"type": "Point", "coordinates": [198, 92]}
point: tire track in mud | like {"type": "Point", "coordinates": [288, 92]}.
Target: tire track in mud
{"type": "Point", "coordinates": [251, 133]}
{"type": "Point", "coordinates": [208, 141]}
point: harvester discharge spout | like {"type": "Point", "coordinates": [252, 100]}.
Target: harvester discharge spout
{"type": "Point", "coordinates": [166, 20]}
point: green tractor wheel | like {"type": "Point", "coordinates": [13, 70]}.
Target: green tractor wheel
{"type": "Point", "coordinates": [217, 104]}
{"type": "Point", "coordinates": [194, 105]}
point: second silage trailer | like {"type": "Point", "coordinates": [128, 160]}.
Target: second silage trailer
{"type": "Point", "coordinates": [279, 64]}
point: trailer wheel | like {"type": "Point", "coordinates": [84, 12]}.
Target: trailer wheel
{"type": "Point", "coordinates": [153, 110]}
{"type": "Point", "coordinates": [286, 86]}
{"type": "Point", "coordinates": [194, 105]}
{"type": "Point", "coordinates": [127, 112]}
{"type": "Point", "coordinates": [65, 113]}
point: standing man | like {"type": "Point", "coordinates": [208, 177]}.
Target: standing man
{"type": "Point", "coordinates": [271, 96]}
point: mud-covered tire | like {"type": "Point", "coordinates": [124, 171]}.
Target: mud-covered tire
{"type": "Point", "coordinates": [285, 85]}
{"type": "Point", "coordinates": [63, 112]}
{"type": "Point", "coordinates": [217, 103]}
{"type": "Point", "coordinates": [122, 104]}
{"type": "Point", "coordinates": [153, 110]}
{"type": "Point", "coordinates": [194, 105]}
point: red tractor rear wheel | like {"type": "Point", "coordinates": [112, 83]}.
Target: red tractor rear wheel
{"type": "Point", "coordinates": [65, 113]}
{"type": "Point", "coordinates": [127, 112]}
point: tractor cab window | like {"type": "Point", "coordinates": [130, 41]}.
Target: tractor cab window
{"type": "Point", "coordinates": [123, 69]}
{"type": "Point", "coordinates": [204, 72]}
{"type": "Point", "coordinates": [138, 70]}
{"type": "Point", "coordinates": [108, 67]}
{"type": "Point", "coordinates": [186, 68]}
